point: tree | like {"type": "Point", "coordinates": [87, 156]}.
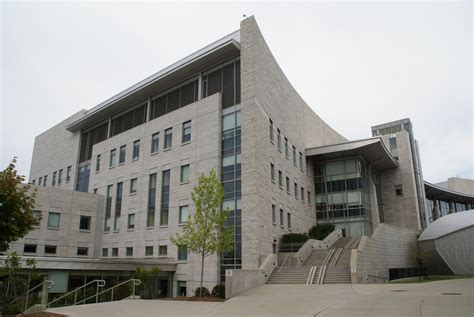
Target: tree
{"type": "Point", "coordinates": [16, 204]}
{"type": "Point", "coordinates": [321, 231]}
{"type": "Point", "coordinates": [205, 232]}
{"type": "Point", "coordinates": [148, 279]}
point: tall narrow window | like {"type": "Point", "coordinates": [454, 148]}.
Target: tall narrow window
{"type": "Point", "coordinates": [133, 185]}
{"type": "Point", "coordinates": [273, 214]}
{"type": "Point", "coordinates": [294, 155]}
{"type": "Point", "coordinates": [279, 139]}
{"type": "Point", "coordinates": [301, 161]}
{"type": "Point", "coordinates": [302, 193]}
{"type": "Point", "coordinates": [60, 177]}
{"type": "Point", "coordinates": [296, 191]}
{"type": "Point", "coordinates": [280, 179]}
{"type": "Point", "coordinates": [129, 251]}
{"type": "Point", "coordinates": [168, 138]}
{"type": "Point", "coordinates": [136, 150]}
{"type": "Point", "coordinates": [45, 180]}
{"type": "Point", "coordinates": [271, 130]}
{"type": "Point", "coordinates": [131, 222]}
{"type": "Point", "coordinates": [97, 163]}
{"type": "Point", "coordinates": [155, 142]}
{"type": "Point", "coordinates": [182, 253]}
{"type": "Point", "coordinates": [122, 154]}
{"type": "Point", "coordinates": [393, 145]}
{"type": "Point", "coordinates": [68, 173]}
{"type": "Point", "coordinates": [309, 198]}
{"type": "Point", "coordinates": [118, 206]}
{"type": "Point", "coordinates": [288, 184]}
{"type": "Point", "coordinates": [288, 220]}
{"type": "Point", "coordinates": [398, 190]}
{"type": "Point", "coordinates": [108, 208]}
{"type": "Point", "coordinates": [150, 218]}
{"type": "Point", "coordinates": [40, 181]}
{"type": "Point", "coordinates": [112, 158]}
{"type": "Point", "coordinates": [186, 132]}
{"type": "Point", "coordinates": [165, 197]}
{"type": "Point", "coordinates": [184, 177]}
{"type": "Point", "coordinates": [54, 179]}
{"type": "Point", "coordinates": [282, 219]}
{"type": "Point", "coordinates": [183, 214]}
{"type": "Point", "coordinates": [286, 147]}
{"type": "Point", "coordinates": [272, 172]}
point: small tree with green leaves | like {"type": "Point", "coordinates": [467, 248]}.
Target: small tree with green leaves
{"type": "Point", "coordinates": [205, 232]}
{"type": "Point", "coordinates": [16, 206]}
{"type": "Point", "coordinates": [148, 278]}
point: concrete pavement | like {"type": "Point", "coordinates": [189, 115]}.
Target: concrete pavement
{"type": "Point", "coordinates": [442, 298]}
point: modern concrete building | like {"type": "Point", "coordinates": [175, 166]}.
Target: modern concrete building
{"type": "Point", "coordinates": [227, 107]}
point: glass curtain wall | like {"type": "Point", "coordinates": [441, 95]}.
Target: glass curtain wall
{"type": "Point", "coordinates": [342, 195]}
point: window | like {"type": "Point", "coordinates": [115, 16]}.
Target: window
{"type": "Point", "coordinates": [131, 221]}
{"type": "Point", "coordinates": [183, 214]}
{"type": "Point", "coordinates": [60, 177]}
{"type": "Point", "coordinates": [273, 214]}
{"type": "Point", "coordinates": [95, 190]}
{"type": "Point", "coordinates": [286, 147]}
{"type": "Point", "coordinates": [296, 191]}
{"type": "Point", "coordinates": [182, 289]}
{"type": "Point", "coordinates": [309, 198]}
{"type": "Point", "coordinates": [54, 179]}
{"type": "Point", "coordinates": [149, 250]}
{"type": "Point", "coordinates": [393, 146]}
{"type": "Point", "coordinates": [155, 142]}
{"type": "Point", "coordinates": [302, 193]}
{"type": "Point", "coordinates": [174, 99]}
{"type": "Point", "coordinates": [114, 251]}
{"type": "Point", "coordinates": [184, 178]}
{"type": "Point", "coordinates": [272, 172]}
{"type": "Point", "coordinates": [165, 197]}
{"type": "Point", "coordinates": [182, 253]}
{"type": "Point", "coordinates": [301, 161]}
{"type": "Point", "coordinates": [45, 180]}
{"type": "Point", "coordinates": [40, 181]}
{"type": "Point", "coordinates": [33, 182]}
{"type": "Point", "coordinates": [49, 249]}
{"type": "Point", "coordinates": [271, 130]}
{"type": "Point", "coordinates": [133, 185]}
{"type": "Point", "coordinates": [85, 223]}
{"type": "Point", "coordinates": [282, 220]}
{"type": "Point", "coordinates": [288, 215]}
{"type": "Point", "coordinates": [108, 208]}
{"type": "Point", "coordinates": [82, 251]}
{"type": "Point", "coordinates": [68, 174]}
{"type": "Point", "coordinates": [280, 179]}
{"type": "Point", "coordinates": [129, 251]}
{"type": "Point", "coordinates": [294, 155]}
{"type": "Point", "coordinates": [37, 216]}
{"type": "Point", "coordinates": [150, 217]}
{"type": "Point", "coordinates": [91, 137]}
{"type": "Point", "coordinates": [163, 250]}
{"type": "Point", "coordinates": [118, 206]}
{"type": "Point", "coordinates": [29, 248]}
{"type": "Point", "coordinates": [399, 190]}
{"type": "Point", "coordinates": [136, 150]}
{"type": "Point", "coordinates": [288, 184]}
{"type": "Point", "coordinates": [83, 176]}
{"type": "Point", "coordinates": [53, 220]}
{"type": "Point", "coordinates": [122, 154]}
{"type": "Point", "coordinates": [105, 252]}
{"type": "Point", "coordinates": [129, 120]}
{"type": "Point", "coordinates": [97, 163]}
{"type": "Point", "coordinates": [112, 158]}
{"type": "Point", "coordinates": [186, 132]}
{"type": "Point", "coordinates": [168, 138]}
{"type": "Point", "coordinates": [279, 140]}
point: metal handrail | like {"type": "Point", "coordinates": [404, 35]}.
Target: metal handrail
{"type": "Point", "coordinates": [50, 285]}
{"type": "Point", "coordinates": [135, 282]}
{"type": "Point", "coordinates": [100, 283]}
{"type": "Point", "coordinates": [283, 264]}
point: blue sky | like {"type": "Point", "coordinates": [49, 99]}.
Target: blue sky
{"type": "Point", "coordinates": [357, 64]}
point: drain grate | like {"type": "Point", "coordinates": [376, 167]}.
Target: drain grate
{"type": "Point", "coordinates": [451, 294]}
{"type": "Point", "coordinates": [399, 290]}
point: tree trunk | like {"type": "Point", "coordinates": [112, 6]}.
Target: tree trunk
{"type": "Point", "coordinates": [202, 274]}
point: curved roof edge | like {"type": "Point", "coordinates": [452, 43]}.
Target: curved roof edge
{"type": "Point", "coordinates": [448, 224]}
{"type": "Point", "coordinates": [434, 191]}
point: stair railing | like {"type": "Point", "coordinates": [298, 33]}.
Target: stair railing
{"type": "Point", "coordinates": [49, 283]}
{"type": "Point", "coordinates": [135, 282]}
{"type": "Point", "coordinates": [100, 283]}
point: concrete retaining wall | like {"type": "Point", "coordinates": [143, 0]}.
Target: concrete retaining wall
{"type": "Point", "coordinates": [388, 247]}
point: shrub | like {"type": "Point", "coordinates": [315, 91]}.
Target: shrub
{"type": "Point", "coordinates": [205, 292]}
{"type": "Point", "coordinates": [219, 291]}
{"type": "Point", "coordinates": [294, 238]}
{"type": "Point", "coordinates": [321, 231]}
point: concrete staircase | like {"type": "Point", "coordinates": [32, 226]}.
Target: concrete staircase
{"type": "Point", "coordinates": [331, 266]}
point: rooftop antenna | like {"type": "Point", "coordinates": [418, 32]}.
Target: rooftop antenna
{"type": "Point", "coordinates": [244, 16]}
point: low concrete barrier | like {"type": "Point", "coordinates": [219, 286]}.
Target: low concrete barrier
{"type": "Point", "coordinates": [238, 281]}
{"type": "Point", "coordinates": [311, 245]}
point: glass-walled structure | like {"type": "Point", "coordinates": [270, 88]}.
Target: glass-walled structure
{"type": "Point", "coordinates": [342, 195]}
{"type": "Point", "coordinates": [441, 201]}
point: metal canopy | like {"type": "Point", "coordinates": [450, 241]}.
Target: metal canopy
{"type": "Point", "coordinates": [372, 150]}
{"type": "Point", "coordinates": [215, 53]}
{"type": "Point", "coordinates": [439, 193]}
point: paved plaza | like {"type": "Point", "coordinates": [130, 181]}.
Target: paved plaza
{"type": "Point", "coordinates": [443, 298]}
